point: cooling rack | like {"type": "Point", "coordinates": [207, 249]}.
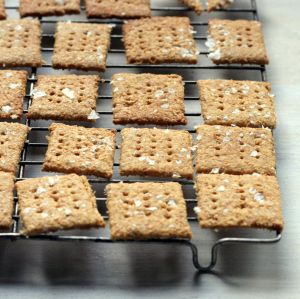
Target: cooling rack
{"type": "Point", "coordinates": [35, 147]}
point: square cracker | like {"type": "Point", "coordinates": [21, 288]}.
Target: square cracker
{"type": "Point", "coordinates": [20, 43]}
{"type": "Point", "coordinates": [194, 4]}
{"type": "Point", "coordinates": [13, 90]}
{"type": "Point", "coordinates": [2, 10]}
{"type": "Point", "coordinates": [117, 9]}
{"type": "Point", "coordinates": [66, 97]}
{"type": "Point", "coordinates": [74, 149]}
{"type": "Point", "coordinates": [59, 202]}
{"type": "Point", "coordinates": [156, 152]}
{"type": "Point", "coordinates": [159, 40]}
{"type": "Point", "coordinates": [12, 139]}
{"type": "Point", "coordinates": [147, 211]}
{"type": "Point", "coordinates": [148, 99]}
{"type": "Point", "coordinates": [6, 199]}
{"type": "Point", "coordinates": [235, 150]}
{"type": "Point", "coordinates": [238, 201]}
{"type": "Point", "coordinates": [39, 8]}
{"type": "Point", "coordinates": [238, 41]}
{"type": "Point", "coordinates": [218, 4]}
{"type": "Point", "coordinates": [243, 103]}
{"type": "Point", "coordinates": [81, 46]}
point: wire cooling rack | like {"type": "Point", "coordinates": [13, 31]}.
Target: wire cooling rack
{"type": "Point", "coordinates": [35, 147]}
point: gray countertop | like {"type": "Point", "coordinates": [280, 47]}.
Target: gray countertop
{"type": "Point", "coordinates": [40, 269]}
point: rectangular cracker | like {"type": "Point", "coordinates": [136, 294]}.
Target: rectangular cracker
{"type": "Point", "coordinates": [12, 139]}
{"type": "Point", "coordinates": [148, 99]}
{"type": "Point", "coordinates": [6, 199]}
{"type": "Point", "coordinates": [235, 150]}
{"type": "Point", "coordinates": [39, 8]}
{"type": "Point", "coordinates": [226, 201]}
{"type": "Point", "coordinates": [236, 41]}
{"type": "Point", "coordinates": [156, 152]}
{"type": "Point", "coordinates": [243, 103]}
{"type": "Point", "coordinates": [74, 149]}
{"type": "Point", "coordinates": [218, 4]}
{"type": "Point", "coordinates": [2, 10]}
{"type": "Point", "coordinates": [117, 9]}
{"type": "Point", "coordinates": [159, 40]}
{"type": "Point", "coordinates": [81, 46]}
{"type": "Point", "coordinates": [65, 97]}
{"type": "Point", "coordinates": [147, 211]}
{"type": "Point", "coordinates": [20, 43]}
{"type": "Point", "coordinates": [13, 90]}
{"type": "Point", "coordinates": [54, 203]}
{"type": "Point", "coordinates": [195, 5]}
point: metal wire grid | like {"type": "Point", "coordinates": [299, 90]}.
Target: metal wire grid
{"type": "Point", "coordinates": [14, 234]}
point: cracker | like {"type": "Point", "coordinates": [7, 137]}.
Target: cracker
{"type": "Point", "coordinates": [148, 99]}
{"type": "Point", "coordinates": [74, 149]}
{"type": "Point", "coordinates": [226, 201]}
{"type": "Point", "coordinates": [218, 4]}
{"type": "Point", "coordinates": [12, 139]}
{"type": "Point", "coordinates": [54, 203]}
{"type": "Point", "coordinates": [238, 41]}
{"type": "Point", "coordinates": [39, 8]}
{"type": "Point", "coordinates": [81, 46]}
{"type": "Point", "coordinates": [194, 4]}
{"type": "Point", "coordinates": [159, 40]}
{"type": "Point", "coordinates": [243, 103]}
{"type": "Point", "coordinates": [13, 89]}
{"type": "Point", "coordinates": [6, 199]}
{"type": "Point", "coordinates": [2, 10]}
{"type": "Point", "coordinates": [156, 152]}
{"type": "Point", "coordinates": [117, 9]}
{"type": "Point", "coordinates": [66, 97]}
{"type": "Point", "coordinates": [20, 43]}
{"type": "Point", "coordinates": [147, 211]}
{"type": "Point", "coordinates": [235, 150]}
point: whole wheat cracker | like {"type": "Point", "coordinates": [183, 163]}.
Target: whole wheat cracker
{"type": "Point", "coordinates": [39, 8]}
{"type": "Point", "coordinates": [243, 103]}
{"type": "Point", "coordinates": [13, 89]}
{"type": "Point", "coordinates": [12, 139]}
{"type": "Point", "coordinates": [81, 46]}
{"type": "Point", "coordinates": [195, 5]}
{"type": "Point", "coordinates": [6, 199]}
{"type": "Point", "coordinates": [156, 152]}
{"type": "Point", "coordinates": [218, 4]}
{"type": "Point", "coordinates": [236, 41]}
{"type": "Point", "coordinates": [148, 99]}
{"type": "Point", "coordinates": [2, 10]}
{"type": "Point", "coordinates": [117, 9]}
{"type": "Point", "coordinates": [147, 211]}
{"type": "Point", "coordinates": [235, 150]}
{"type": "Point", "coordinates": [158, 40]}
{"type": "Point", "coordinates": [65, 97]}
{"type": "Point", "coordinates": [226, 201]}
{"type": "Point", "coordinates": [75, 149]}
{"type": "Point", "coordinates": [20, 43]}
{"type": "Point", "coordinates": [49, 204]}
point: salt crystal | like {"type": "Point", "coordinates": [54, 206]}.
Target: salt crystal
{"type": "Point", "coordinates": [215, 170]}
{"type": "Point", "coordinates": [93, 115]}
{"type": "Point", "coordinates": [165, 106]}
{"type": "Point", "coordinates": [159, 93]}
{"type": "Point", "coordinates": [254, 154]}
{"type": "Point", "coordinates": [197, 210]}
{"type": "Point", "coordinates": [69, 93]}
{"type": "Point", "coordinates": [14, 85]}
{"type": "Point", "coordinates": [6, 109]}
{"type": "Point", "coordinates": [36, 93]}
{"type": "Point", "coordinates": [215, 55]}
{"type": "Point", "coordinates": [221, 189]}
{"type": "Point", "coordinates": [40, 190]}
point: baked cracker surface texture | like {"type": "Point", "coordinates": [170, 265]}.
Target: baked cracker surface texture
{"type": "Point", "coordinates": [147, 211]}
{"type": "Point", "coordinates": [2, 10]}
{"type": "Point", "coordinates": [194, 4]}
{"type": "Point", "coordinates": [218, 4]}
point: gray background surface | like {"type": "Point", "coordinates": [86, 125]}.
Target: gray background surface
{"type": "Point", "coordinates": [31, 269]}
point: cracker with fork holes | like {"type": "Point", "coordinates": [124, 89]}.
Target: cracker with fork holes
{"type": "Point", "coordinates": [159, 40]}
{"type": "Point", "coordinates": [54, 203]}
{"type": "Point", "coordinates": [65, 97]}
{"type": "Point", "coordinates": [75, 149]}
{"type": "Point", "coordinates": [147, 211]}
{"type": "Point", "coordinates": [156, 152]}
{"type": "Point", "coordinates": [148, 99]}
{"type": "Point", "coordinates": [81, 46]}
{"type": "Point", "coordinates": [226, 201]}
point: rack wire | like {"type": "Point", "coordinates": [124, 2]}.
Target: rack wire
{"type": "Point", "coordinates": [26, 161]}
